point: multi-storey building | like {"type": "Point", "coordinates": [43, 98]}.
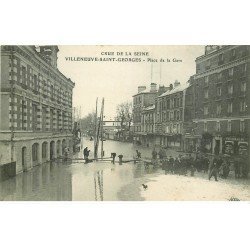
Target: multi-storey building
{"type": "Point", "coordinates": [148, 126]}
{"type": "Point", "coordinates": [36, 106]}
{"type": "Point", "coordinates": [142, 100]}
{"type": "Point", "coordinates": [170, 116]}
{"type": "Point", "coordinates": [221, 100]}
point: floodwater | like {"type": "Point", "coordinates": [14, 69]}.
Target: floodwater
{"type": "Point", "coordinates": [60, 181]}
{"type": "Point", "coordinates": [104, 181]}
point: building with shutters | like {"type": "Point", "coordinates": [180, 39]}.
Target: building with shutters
{"type": "Point", "coordinates": [36, 106]}
{"type": "Point", "coordinates": [221, 100]}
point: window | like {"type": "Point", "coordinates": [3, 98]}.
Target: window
{"type": "Point", "coordinates": [205, 110]}
{"type": "Point", "coordinates": [205, 126]}
{"type": "Point", "coordinates": [220, 76]}
{"type": "Point", "coordinates": [243, 106]}
{"type": "Point", "coordinates": [23, 75]}
{"type": "Point", "coordinates": [206, 79]}
{"type": "Point", "coordinates": [219, 91]}
{"type": "Point", "coordinates": [230, 108]}
{"type": "Point", "coordinates": [230, 89]}
{"type": "Point", "coordinates": [242, 126]}
{"type": "Point", "coordinates": [243, 87]}
{"type": "Point", "coordinates": [167, 116]}
{"type": "Point", "coordinates": [221, 58]}
{"type": "Point", "coordinates": [167, 129]}
{"type": "Point", "coordinates": [178, 115]}
{"type": "Point", "coordinates": [229, 126]}
{"type": "Point", "coordinates": [218, 109]}
{"type": "Point", "coordinates": [206, 93]}
{"type": "Point", "coordinates": [168, 104]}
{"type": "Point", "coordinates": [233, 53]}
{"type": "Point", "coordinates": [35, 83]}
{"type": "Point", "coordinates": [245, 67]}
{"type": "Point", "coordinates": [208, 64]}
{"type": "Point", "coordinates": [180, 101]}
{"type": "Point", "coordinates": [218, 126]}
{"type": "Point", "coordinates": [231, 72]}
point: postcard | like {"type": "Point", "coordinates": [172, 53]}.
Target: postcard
{"type": "Point", "coordinates": [125, 123]}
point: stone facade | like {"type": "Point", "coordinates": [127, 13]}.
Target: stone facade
{"type": "Point", "coordinates": [36, 106]}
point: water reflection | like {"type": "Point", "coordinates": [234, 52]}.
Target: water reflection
{"type": "Point", "coordinates": [60, 181]}
{"type": "Point", "coordinates": [47, 182]}
{"type": "Point", "coordinates": [98, 180]}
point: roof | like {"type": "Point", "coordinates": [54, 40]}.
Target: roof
{"type": "Point", "coordinates": [179, 88]}
{"type": "Point", "coordinates": [146, 92]}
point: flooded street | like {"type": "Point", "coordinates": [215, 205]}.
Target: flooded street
{"type": "Point", "coordinates": [104, 181]}
{"type": "Point", "coordinates": [60, 181]}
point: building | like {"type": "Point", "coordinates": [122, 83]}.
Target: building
{"type": "Point", "coordinates": [111, 129]}
{"type": "Point", "coordinates": [148, 126]}
{"type": "Point", "coordinates": [170, 116]}
{"type": "Point", "coordinates": [141, 101]}
{"type": "Point", "coordinates": [36, 107]}
{"type": "Point", "coordinates": [221, 100]}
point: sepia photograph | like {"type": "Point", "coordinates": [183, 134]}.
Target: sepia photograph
{"type": "Point", "coordinates": [125, 123]}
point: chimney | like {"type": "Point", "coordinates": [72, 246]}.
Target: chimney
{"type": "Point", "coordinates": [176, 83]}
{"type": "Point", "coordinates": [153, 87]}
{"type": "Point", "coordinates": [162, 89]}
{"type": "Point", "coordinates": [170, 86]}
{"type": "Point", "coordinates": [50, 54]}
{"type": "Point", "coordinates": [141, 88]}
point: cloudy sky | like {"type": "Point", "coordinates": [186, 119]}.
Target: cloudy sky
{"type": "Point", "coordinates": [118, 81]}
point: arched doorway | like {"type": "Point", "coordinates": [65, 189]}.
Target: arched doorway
{"type": "Point", "coordinates": [52, 150]}
{"type": "Point", "coordinates": [35, 154]}
{"type": "Point", "coordinates": [24, 159]}
{"type": "Point", "coordinates": [44, 151]}
{"type": "Point", "coordinates": [58, 148]}
{"type": "Point", "coordinates": [64, 145]}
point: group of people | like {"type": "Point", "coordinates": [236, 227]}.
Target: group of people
{"type": "Point", "coordinates": [66, 153]}
{"type": "Point", "coordinates": [215, 166]}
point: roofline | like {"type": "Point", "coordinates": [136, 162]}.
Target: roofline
{"type": "Point", "coordinates": [155, 92]}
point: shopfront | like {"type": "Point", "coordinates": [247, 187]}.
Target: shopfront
{"type": "Point", "coordinates": [235, 145]}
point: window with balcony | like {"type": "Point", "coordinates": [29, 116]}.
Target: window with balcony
{"type": "Point", "coordinates": [243, 87]}
{"type": "Point", "coordinates": [231, 72]}
{"type": "Point", "coordinates": [229, 126]}
{"type": "Point", "coordinates": [218, 109]}
{"type": "Point", "coordinates": [206, 79]}
{"type": "Point", "coordinates": [242, 126]}
{"type": "Point", "coordinates": [230, 89]}
{"type": "Point", "coordinates": [218, 126]}
{"type": "Point", "coordinates": [219, 76]}
{"type": "Point", "coordinates": [230, 108]}
{"type": "Point", "coordinates": [205, 110]}
{"type": "Point", "coordinates": [242, 106]}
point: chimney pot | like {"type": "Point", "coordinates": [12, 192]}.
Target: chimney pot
{"type": "Point", "coordinates": [141, 88]}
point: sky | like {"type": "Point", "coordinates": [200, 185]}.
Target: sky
{"type": "Point", "coordinates": [118, 81]}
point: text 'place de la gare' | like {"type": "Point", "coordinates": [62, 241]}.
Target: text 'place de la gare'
{"type": "Point", "coordinates": [164, 139]}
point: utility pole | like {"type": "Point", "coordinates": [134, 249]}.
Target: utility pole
{"type": "Point", "coordinates": [102, 152]}
{"type": "Point", "coordinates": [95, 130]}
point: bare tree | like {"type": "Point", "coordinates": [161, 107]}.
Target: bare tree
{"type": "Point", "coordinates": [124, 114]}
{"type": "Point", "coordinates": [88, 123]}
